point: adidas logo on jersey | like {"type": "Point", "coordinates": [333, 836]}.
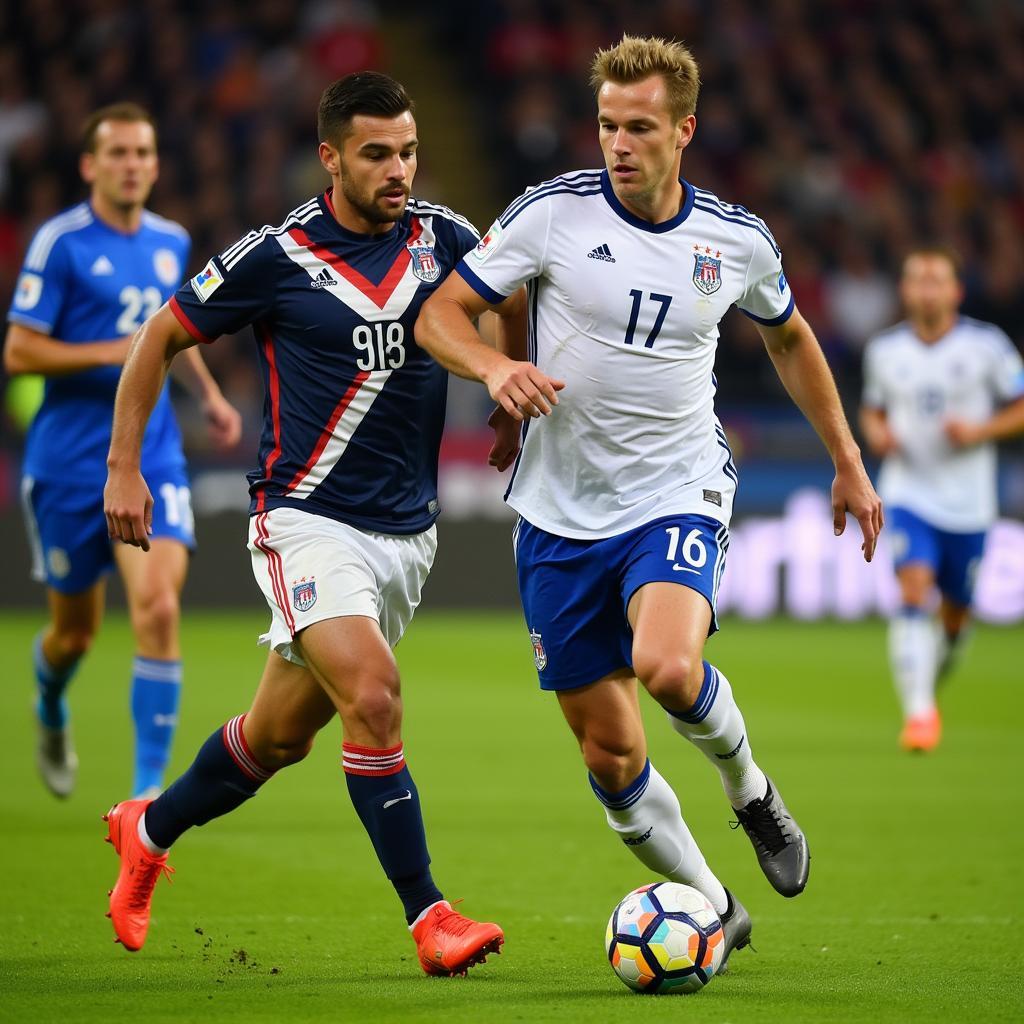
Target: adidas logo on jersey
{"type": "Point", "coordinates": [101, 267]}
{"type": "Point", "coordinates": [602, 252]}
{"type": "Point", "coordinates": [323, 280]}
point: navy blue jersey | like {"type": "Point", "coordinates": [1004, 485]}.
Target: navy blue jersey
{"type": "Point", "coordinates": [354, 409]}
{"type": "Point", "coordinates": [83, 281]}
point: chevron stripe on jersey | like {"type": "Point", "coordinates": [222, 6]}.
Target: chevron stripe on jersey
{"type": "Point", "coordinates": [300, 215]}
{"type": "Point", "coordinates": [385, 301]}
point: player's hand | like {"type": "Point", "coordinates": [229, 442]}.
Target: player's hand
{"type": "Point", "coordinates": [128, 506]}
{"type": "Point", "coordinates": [962, 434]}
{"type": "Point", "coordinates": [507, 439]}
{"type": "Point", "coordinates": [223, 421]}
{"type": "Point", "coordinates": [852, 492]}
{"type": "Point", "coordinates": [522, 390]}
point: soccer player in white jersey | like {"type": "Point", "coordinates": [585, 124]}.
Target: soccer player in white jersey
{"type": "Point", "coordinates": [625, 482]}
{"type": "Point", "coordinates": [939, 390]}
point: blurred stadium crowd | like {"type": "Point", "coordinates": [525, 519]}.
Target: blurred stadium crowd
{"type": "Point", "coordinates": [853, 127]}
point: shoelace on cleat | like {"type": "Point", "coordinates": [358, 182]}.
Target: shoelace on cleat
{"type": "Point", "coordinates": [146, 877]}
{"type": "Point", "coordinates": [764, 826]}
{"type": "Point", "coordinates": [455, 924]}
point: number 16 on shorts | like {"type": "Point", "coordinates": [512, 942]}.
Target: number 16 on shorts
{"type": "Point", "coordinates": [685, 549]}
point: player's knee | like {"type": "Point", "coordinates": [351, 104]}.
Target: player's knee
{"type": "Point", "coordinates": [73, 643]}
{"type": "Point", "coordinates": [613, 761]}
{"type": "Point", "coordinates": [376, 706]}
{"type": "Point", "coordinates": [282, 750]}
{"type": "Point", "coordinates": [674, 682]}
{"type": "Point", "coordinates": [156, 616]}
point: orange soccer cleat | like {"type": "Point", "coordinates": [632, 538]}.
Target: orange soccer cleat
{"type": "Point", "coordinates": [450, 944]}
{"type": "Point", "coordinates": [922, 732]}
{"type": "Point", "coordinates": [132, 894]}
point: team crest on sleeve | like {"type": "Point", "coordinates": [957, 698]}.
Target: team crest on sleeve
{"type": "Point", "coordinates": [207, 281]}
{"type": "Point", "coordinates": [168, 270]}
{"type": "Point", "coordinates": [540, 656]}
{"type": "Point", "coordinates": [424, 264]}
{"type": "Point", "coordinates": [488, 243]}
{"type": "Point", "coordinates": [304, 594]}
{"type": "Point", "coordinates": [29, 291]}
{"type": "Point", "coordinates": [707, 269]}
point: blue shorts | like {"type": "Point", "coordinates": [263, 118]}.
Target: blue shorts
{"type": "Point", "coordinates": [953, 557]}
{"type": "Point", "coordinates": [67, 530]}
{"type": "Point", "coordinates": [575, 592]}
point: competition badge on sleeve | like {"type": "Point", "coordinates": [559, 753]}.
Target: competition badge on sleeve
{"type": "Point", "coordinates": [424, 266]}
{"type": "Point", "coordinates": [707, 271]}
{"type": "Point", "coordinates": [488, 243]}
{"type": "Point", "coordinates": [207, 281]}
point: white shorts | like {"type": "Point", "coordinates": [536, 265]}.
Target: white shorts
{"type": "Point", "coordinates": [312, 568]}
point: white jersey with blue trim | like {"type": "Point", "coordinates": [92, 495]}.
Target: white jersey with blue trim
{"type": "Point", "coordinates": [626, 313]}
{"type": "Point", "coordinates": [920, 386]}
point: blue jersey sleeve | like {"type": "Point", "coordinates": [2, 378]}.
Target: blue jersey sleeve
{"type": "Point", "coordinates": [232, 291]}
{"type": "Point", "coordinates": [42, 288]}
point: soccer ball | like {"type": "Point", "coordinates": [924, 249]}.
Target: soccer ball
{"type": "Point", "coordinates": [665, 938]}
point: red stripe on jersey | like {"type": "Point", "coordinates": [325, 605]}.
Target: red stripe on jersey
{"type": "Point", "coordinates": [182, 317]}
{"type": "Point", "coordinates": [275, 568]}
{"type": "Point", "coordinates": [378, 293]}
{"type": "Point", "coordinates": [328, 432]}
{"type": "Point", "coordinates": [274, 391]}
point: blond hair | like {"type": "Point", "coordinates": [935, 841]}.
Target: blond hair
{"type": "Point", "coordinates": [634, 58]}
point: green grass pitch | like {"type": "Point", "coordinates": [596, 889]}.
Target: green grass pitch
{"type": "Point", "coordinates": [280, 913]}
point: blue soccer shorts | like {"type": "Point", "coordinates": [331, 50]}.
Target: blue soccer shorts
{"type": "Point", "coordinates": [575, 592]}
{"type": "Point", "coordinates": [68, 532]}
{"type": "Point", "coordinates": [953, 557]}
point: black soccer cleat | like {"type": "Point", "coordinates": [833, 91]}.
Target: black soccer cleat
{"type": "Point", "coordinates": [736, 926]}
{"type": "Point", "coordinates": [778, 842]}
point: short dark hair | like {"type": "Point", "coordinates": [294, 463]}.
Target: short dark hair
{"type": "Point", "coordinates": [125, 112]}
{"type": "Point", "coordinates": [363, 92]}
{"type": "Point", "coordinates": [938, 250]}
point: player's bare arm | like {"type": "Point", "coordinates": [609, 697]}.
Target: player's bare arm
{"type": "Point", "coordinates": [127, 503]}
{"type": "Point", "coordinates": [1006, 423]}
{"type": "Point", "coordinates": [445, 329]}
{"type": "Point", "coordinates": [29, 351]}
{"type": "Point", "coordinates": [506, 332]}
{"type": "Point", "coordinates": [223, 420]}
{"type": "Point", "coordinates": [805, 374]}
{"type": "Point", "coordinates": [874, 425]}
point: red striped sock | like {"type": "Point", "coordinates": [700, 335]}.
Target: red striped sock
{"type": "Point", "coordinates": [373, 761]}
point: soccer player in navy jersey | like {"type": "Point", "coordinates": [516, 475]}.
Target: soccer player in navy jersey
{"type": "Point", "coordinates": [625, 486]}
{"type": "Point", "coordinates": [91, 275]}
{"type": "Point", "coordinates": [343, 500]}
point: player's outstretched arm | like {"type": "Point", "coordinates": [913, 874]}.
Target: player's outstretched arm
{"type": "Point", "coordinates": [445, 330]}
{"type": "Point", "coordinates": [874, 425]}
{"type": "Point", "coordinates": [29, 351]}
{"type": "Point", "coordinates": [127, 503]}
{"type": "Point", "coordinates": [223, 420]}
{"type": "Point", "coordinates": [1006, 423]}
{"type": "Point", "coordinates": [802, 368]}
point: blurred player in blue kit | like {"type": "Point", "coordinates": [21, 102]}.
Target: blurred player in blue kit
{"type": "Point", "coordinates": [939, 390]}
{"type": "Point", "coordinates": [624, 482]}
{"type": "Point", "coordinates": [91, 276]}
{"type": "Point", "coordinates": [344, 498]}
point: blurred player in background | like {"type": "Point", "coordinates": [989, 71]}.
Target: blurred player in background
{"type": "Point", "coordinates": [933, 387]}
{"type": "Point", "coordinates": [625, 485]}
{"type": "Point", "coordinates": [344, 499]}
{"type": "Point", "coordinates": [91, 276]}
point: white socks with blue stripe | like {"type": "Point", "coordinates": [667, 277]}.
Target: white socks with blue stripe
{"type": "Point", "coordinates": [715, 726]}
{"type": "Point", "coordinates": [913, 658]}
{"type": "Point", "coordinates": [647, 818]}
